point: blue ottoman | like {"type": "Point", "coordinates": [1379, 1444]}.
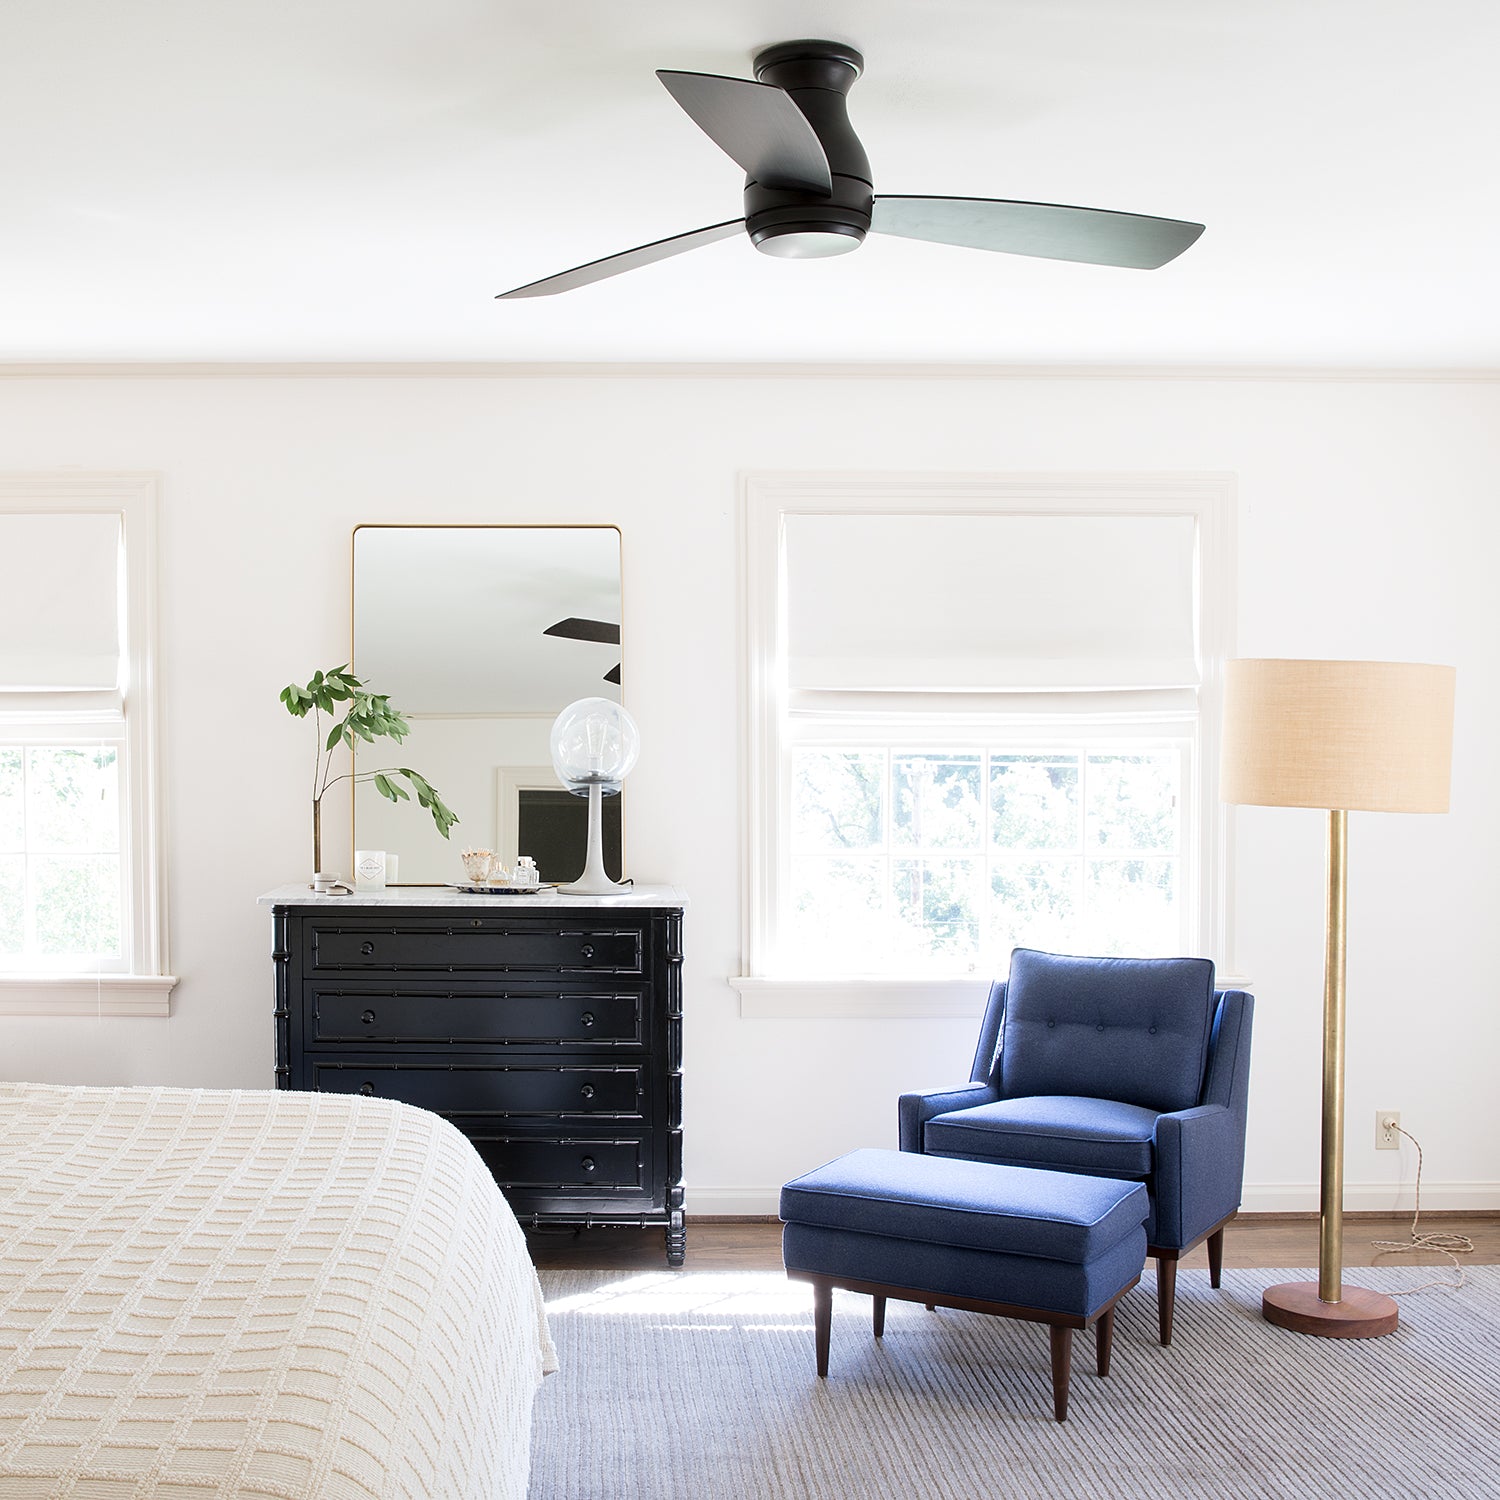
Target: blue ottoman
{"type": "Point", "coordinates": [1046, 1247]}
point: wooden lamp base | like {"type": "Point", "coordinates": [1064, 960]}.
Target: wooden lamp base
{"type": "Point", "coordinates": [1360, 1314]}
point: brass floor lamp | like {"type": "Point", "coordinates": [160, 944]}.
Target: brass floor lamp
{"type": "Point", "coordinates": [1342, 736]}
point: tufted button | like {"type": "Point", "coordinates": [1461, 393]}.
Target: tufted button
{"type": "Point", "coordinates": [1099, 1027]}
{"type": "Point", "coordinates": [1051, 1024]}
{"type": "Point", "coordinates": [368, 1017]}
{"type": "Point", "coordinates": [1152, 1030]}
{"type": "Point", "coordinates": [367, 1088]}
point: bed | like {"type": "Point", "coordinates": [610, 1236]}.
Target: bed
{"type": "Point", "coordinates": [244, 1294]}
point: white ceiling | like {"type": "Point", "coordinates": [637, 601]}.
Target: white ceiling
{"type": "Point", "coordinates": [353, 180]}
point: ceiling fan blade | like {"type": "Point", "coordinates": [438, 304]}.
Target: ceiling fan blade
{"type": "Point", "coordinates": [1054, 231]}
{"type": "Point", "coordinates": [575, 629]}
{"type": "Point", "coordinates": [626, 260]}
{"type": "Point", "coordinates": [756, 124]}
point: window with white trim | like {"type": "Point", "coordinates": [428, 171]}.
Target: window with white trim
{"type": "Point", "coordinates": [976, 721]}
{"type": "Point", "coordinates": [81, 925]}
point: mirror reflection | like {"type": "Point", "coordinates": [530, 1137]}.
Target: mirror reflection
{"type": "Point", "coordinates": [481, 635]}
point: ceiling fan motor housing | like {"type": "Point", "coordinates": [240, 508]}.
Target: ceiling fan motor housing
{"type": "Point", "coordinates": [799, 225]}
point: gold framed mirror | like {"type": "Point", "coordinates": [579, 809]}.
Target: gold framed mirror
{"type": "Point", "coordinates": [480, 636]}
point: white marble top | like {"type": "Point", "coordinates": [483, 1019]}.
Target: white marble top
{"type": "Point", "coordinates": [446, 896]}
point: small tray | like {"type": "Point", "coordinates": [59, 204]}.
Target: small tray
{"type": "Point", "coordinates": [492, 889]}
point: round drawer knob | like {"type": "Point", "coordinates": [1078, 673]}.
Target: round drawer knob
{"type": "Point", "coordinates": [587, 1018]}
{"type": "Point", "coordinates": [366, 949]}
{"type": "Point", "coordinates": [588, 1091]}
{"type": "Point", "coordinates": [367, 1087]}
{"type": "Point", "coordinates": [368, 1017]}
{"type": "Point", "coordinates": [587, 1164]}
{"type": "Point", "coordinates": [588, 950]}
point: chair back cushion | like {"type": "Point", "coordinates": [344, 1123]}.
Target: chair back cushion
{"type": "Point", "coordinates": [1131, 1029]}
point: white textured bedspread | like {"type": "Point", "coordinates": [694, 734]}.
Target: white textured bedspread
{"type": "Point", "coordinates": [243, 1294]}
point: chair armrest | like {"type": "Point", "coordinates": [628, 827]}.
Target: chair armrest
{"type": "Point", "coordinates": [913, 1111]}
{"type": "Point", "coordinates": [1200, 1170]}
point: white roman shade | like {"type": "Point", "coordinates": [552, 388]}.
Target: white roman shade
{"type": "Point", "coordinates": [990, 603]}
{"type": "Point", "coordinates": [59, 601]}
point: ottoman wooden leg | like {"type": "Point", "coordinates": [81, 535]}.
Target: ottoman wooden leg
{"type": "Point", "coordinates": [1062, 1368]}
{"type": "Point", "coordinates": [878, 1303]}
{"type": "Point", "coordinates": [822, 1322]}
{"type": "Point", "coordinates": [1104, 1338]}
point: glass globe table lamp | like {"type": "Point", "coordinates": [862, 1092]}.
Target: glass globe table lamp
{"type": "Point", "coordinates": [594, 748]}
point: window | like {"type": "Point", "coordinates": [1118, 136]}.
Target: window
{"type": "Point", "coordinates": [80, 907]}
{"type": "Point", "coordinates": [976, 722]}
{"type": "Point", "coordinates": [943, 860]}
{"type": "Point", "coordinates": [61, 887]}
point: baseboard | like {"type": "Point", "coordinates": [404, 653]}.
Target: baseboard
{"type": "Point", "coordinates": [1374, 1197]}
{"type": "Point", "coordinates": [1259, 1198]}
{"type": "Point", "coordinates": [733, 1203]}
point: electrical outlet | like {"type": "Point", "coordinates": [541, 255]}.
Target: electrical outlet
{"type": "Point", "coordinates": [1387, 1130]}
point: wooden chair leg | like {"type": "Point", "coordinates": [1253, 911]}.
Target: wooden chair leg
{"type": "Point", "coordinates": [1062, 1369]}
{"type": "Point", "coordinates": [822, 1322]}
{"type": "Point", "coordinates": [879, 1316]}
{"type": "Point", "coordinates": [1216, 1256]}
{"type": "Point", "coordinates": [1166, 1295]}
{"type": "Point", "coordinates": [1104, 1338]}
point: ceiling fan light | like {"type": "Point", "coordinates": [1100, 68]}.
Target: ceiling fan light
{"type": "Point", "coordinates": [793, 242]}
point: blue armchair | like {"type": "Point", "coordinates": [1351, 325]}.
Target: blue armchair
{"type": "Point", "coordinates": [1130, 1068]}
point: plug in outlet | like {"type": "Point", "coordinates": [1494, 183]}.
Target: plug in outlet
{"type": "Point", "coordinates": [1387, 1130]}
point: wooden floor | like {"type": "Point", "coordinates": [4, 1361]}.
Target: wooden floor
{"type": "Point", "coordinates": [1251, 1240]}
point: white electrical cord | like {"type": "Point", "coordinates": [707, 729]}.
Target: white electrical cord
{"type": "Point", "coordinates": [1451, 1245]}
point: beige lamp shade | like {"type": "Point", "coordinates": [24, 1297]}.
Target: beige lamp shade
{"type": "Point", "coordinates": [1374, 736]}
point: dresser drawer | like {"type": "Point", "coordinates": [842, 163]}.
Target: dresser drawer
{"type": "Point", "coordinates": [615, 1017]}
{"type": "Point", "coordinates": [587, 1089]}
{"type": "Point", "coordinates": [490, 944]}
{"type": "Point", "coordinates": [580, 1165]}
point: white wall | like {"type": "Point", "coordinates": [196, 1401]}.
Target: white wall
{"type": "Point", "coordinates": [1367, 528]}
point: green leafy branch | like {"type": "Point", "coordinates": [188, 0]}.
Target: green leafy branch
{"type": "Point", "coordinates": [358, 714]}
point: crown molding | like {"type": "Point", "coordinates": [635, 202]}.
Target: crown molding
{"type": "Point", "coordinates": [498, 370]}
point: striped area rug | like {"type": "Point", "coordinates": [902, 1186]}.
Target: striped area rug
{"type": "Point", "coordinates": [695, 1385]}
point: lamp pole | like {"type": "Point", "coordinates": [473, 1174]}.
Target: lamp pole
{"type": "Point", "coordinates": [1331, 1208]}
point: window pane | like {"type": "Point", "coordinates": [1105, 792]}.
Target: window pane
{"type": "Point", "coordinates": [1133, 906]}
{"type": "Point", "coordinates": [837, 917]}
{"type": "Point", "coordinates": [1034, 904]}
{"type": "Point", "coordinates": [12, 817]}
{"type": "Point", "coordinates": [837, 800]}
{"type": "Point", "coordinates": [1132, 801]}
{"type": "Point", "coordinates": [936, 802]}
{"type": "Point", "coordinates": [12, 904]}
{"type": "Point", "coordinates": [72, 798]}
{"type": "Point", "coordinates": [939, 903]}
{"type": "Point", "coordinates": [1034, 801]}
{"type": "Point", "coordinates": [77, 904]}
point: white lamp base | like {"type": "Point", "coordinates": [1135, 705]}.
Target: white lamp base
{"type": "Point", "coordinates": [594, 881]}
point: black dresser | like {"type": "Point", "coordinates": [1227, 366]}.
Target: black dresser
{"type": "Point", "coordinates": [548, 1029]}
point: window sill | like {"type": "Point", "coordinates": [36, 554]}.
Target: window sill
{"type": "Point", "coordinates": [876, 999]}
{"type": "Point", "coordinates": [856, 999]}
{"type": "Point", "coordinates": [86, 995]}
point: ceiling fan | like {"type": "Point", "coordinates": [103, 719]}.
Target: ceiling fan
{"type": "Point", "coordinates": [808, 189]}
{"type": "Point", "coordinates": [576, 629]}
